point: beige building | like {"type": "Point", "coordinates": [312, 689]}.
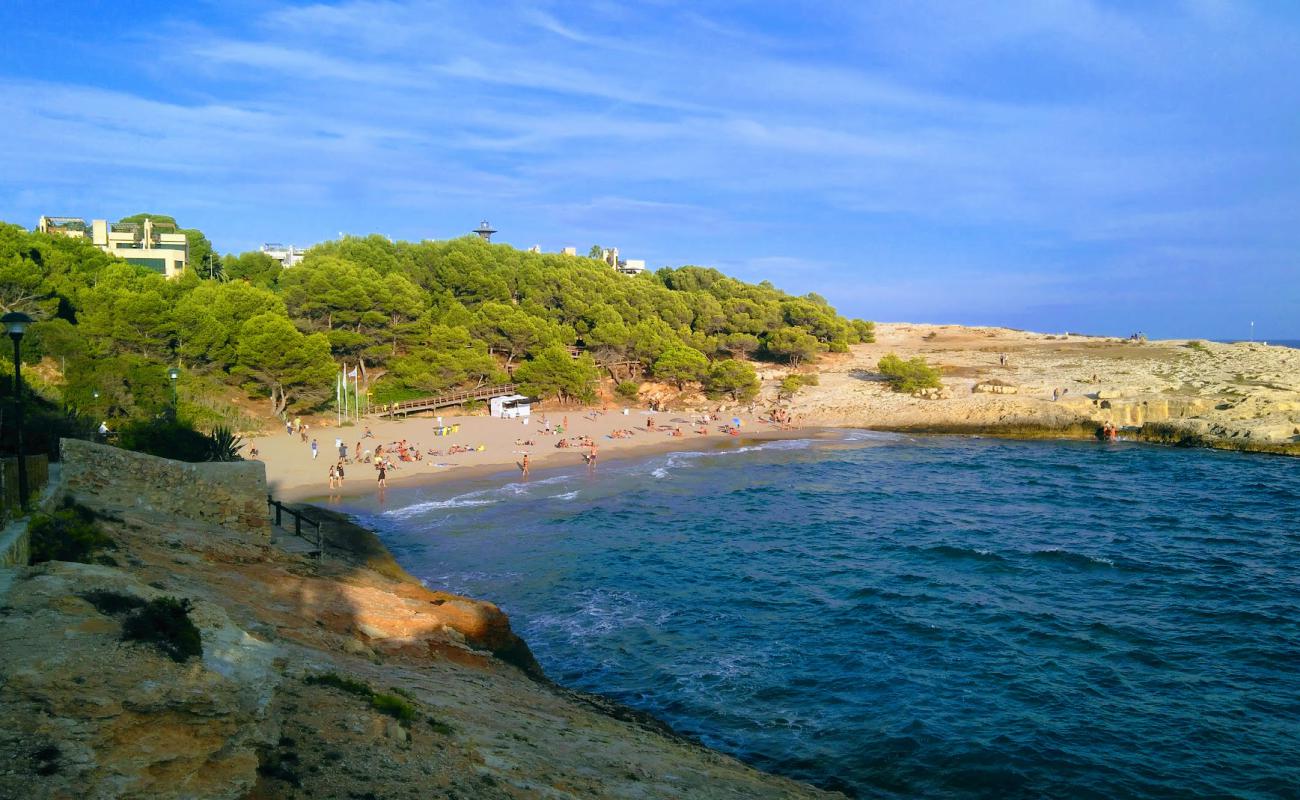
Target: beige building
{"type": "Point", "coordinates": [159, 246]}
{"type": "Point", "coordinates": [632, 266]}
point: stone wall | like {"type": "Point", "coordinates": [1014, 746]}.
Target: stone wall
{"type": "Point", "coordinates": [232, 495]}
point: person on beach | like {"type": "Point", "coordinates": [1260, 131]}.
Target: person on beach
{"type": "Point", "coordinates": [297, 423]}
{"type": "Point", "coordinates": [383, 475]}
{"type": "Point", "coordinates": [288, 426]}
{"type": "Point", "coordinates": [315, 450]}
{"type": "Point", "coordinates": [590, 457]}
{"type": "Point", "coordinates": [342, 448]}
{"type": "Point", "coordinates": [338, 470]}
{"type": "Point", "coordinates": [334, 477]}
{"type": "Point", "coordinates": [367, 434]}
{"type": "Point", "coordinates": [523, 467]}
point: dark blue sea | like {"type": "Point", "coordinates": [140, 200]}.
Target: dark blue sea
{"type": "Point", "coordinates": [898, 616]}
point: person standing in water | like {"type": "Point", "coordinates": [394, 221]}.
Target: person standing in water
{"type": "Point", "coordinates": [523, 468]}
{"type": "Point", "coordinates": [383, 474]}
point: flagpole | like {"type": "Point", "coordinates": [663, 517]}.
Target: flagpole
{"type": "Point", "coordinates": [338, 398]}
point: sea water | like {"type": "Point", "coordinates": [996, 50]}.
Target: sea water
{"type": "Point", "coordinates": [911, 616]}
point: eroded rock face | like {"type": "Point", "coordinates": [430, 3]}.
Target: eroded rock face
{"type": "Point", "coordinates": [102, 718]}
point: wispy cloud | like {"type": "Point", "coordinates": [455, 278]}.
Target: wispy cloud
{"type": "Point", "coordinates": [832, 149]}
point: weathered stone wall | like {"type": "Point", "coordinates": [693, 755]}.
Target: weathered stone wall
{"type": "Point", "coordinates": [232, 495]}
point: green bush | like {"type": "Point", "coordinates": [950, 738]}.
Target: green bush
{"type": "Point", "coordinates": [628, 390]}
{"type": "Point", "coordinates": [70, 533]}
{"type": "Point", "coordinates": [792, 383]}
{"type": "Point", "coordinates": [168, 438]}
{"type": "Point", "coordinates": [390, 704]}
{"type": "Point", "coordinates": [349, 685]}
{"type": "Point", "coordinates": [393, 706]}
{"type": "Point", "coordinates": [910, 375]}
{"type": "Point", "coordinates": [1197, 345]}
{"type": "Point", "coordinates": [112, 603]}
{"type": "Point", "coordinates": [165, 623]}
{"type": "Point", "coordinates": [731, 377]}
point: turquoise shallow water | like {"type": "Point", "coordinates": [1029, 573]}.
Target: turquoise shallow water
{"type": "Point", "coordinates": [911, 616]}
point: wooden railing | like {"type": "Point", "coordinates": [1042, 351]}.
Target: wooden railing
{"type": "Point", "coordinates": [453, 399]}
{"type": "Point", "coordinates": [299, 519]}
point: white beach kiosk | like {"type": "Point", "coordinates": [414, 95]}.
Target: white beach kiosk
{"type": "Point", "coordinates": [511, 406]}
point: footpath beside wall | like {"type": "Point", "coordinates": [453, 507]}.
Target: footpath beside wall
{"type": "Point", "coordinates": [229, 494]}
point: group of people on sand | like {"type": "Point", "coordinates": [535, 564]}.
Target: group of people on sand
{"type": "Point", "coordinates": [780, 417]}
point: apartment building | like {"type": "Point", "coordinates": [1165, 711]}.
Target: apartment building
{"type": "Point", "coordinates": [159, 246]}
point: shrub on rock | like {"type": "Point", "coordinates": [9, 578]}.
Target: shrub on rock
{"type": "Point", "coordinates": [910, 375]}
{"type": "Point", "coordinates": [70, 533]}
{"type": "Point", "coordinates": [165, 623]}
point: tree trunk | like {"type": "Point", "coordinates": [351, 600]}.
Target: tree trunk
{"type": "Point", "coordinates": [279, 399]}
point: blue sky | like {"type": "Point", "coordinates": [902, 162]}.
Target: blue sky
{"type": "Point", "coordinates": [1049, 164]}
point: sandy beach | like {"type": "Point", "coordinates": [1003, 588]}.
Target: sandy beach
{"type": "Point", "coordinates": [493, 445]}
{"type": "Point", "coordinates": [996, 381]}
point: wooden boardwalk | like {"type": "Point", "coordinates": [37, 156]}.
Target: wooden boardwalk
{"type": "Point", "coordinates": [634, 369]}
{"type": "Point", "coordinates": [443, 400]}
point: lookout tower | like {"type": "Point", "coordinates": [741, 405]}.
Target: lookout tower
{"type": "Point", "coordinates": [485, 231]}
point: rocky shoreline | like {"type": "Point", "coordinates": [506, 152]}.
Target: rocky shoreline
{"type": "Point", "coordinates": [1000, 382]}
{"type": "Point", "coordinates": [340, 678]}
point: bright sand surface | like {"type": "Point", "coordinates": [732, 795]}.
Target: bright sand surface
{"type": "Point", "coordinates": [292, 473]}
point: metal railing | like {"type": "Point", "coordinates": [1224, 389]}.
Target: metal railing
{"type": "Point", "coordinates": [299, 519]}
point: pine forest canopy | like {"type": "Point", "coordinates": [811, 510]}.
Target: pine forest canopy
{"type": "Point", "coordinates": [427, 316]}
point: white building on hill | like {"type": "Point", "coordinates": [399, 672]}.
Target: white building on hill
{"type": "Point", "coordinates": [286, 254]}
{"type": "Point", "coordinates": [159, 246]}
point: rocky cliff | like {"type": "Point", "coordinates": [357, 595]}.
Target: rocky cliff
{"type": "Point", "coordinates": [342, 678]}
{"type": "Point", "coordinates": [1243, 396]}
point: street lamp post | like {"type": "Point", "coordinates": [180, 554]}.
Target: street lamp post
{"type": "Point", "coordinates": [16, 323]}
{"type": "Point", "coordinates": [174, 373]}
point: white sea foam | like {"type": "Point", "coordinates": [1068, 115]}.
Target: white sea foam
{"type": "Point", "coordinates": [684, 458]}
{"type": "Point", "coordinates": [874, 436]}
{"type": "Point", "coordinates": [463, 501]}
{"type": "Point", "coordinates": [600, 612]}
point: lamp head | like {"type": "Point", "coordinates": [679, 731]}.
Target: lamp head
{"type": "Point", "coordinates": [16, 323]}
{"type": "Point", "coordinates": [173, 373]}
